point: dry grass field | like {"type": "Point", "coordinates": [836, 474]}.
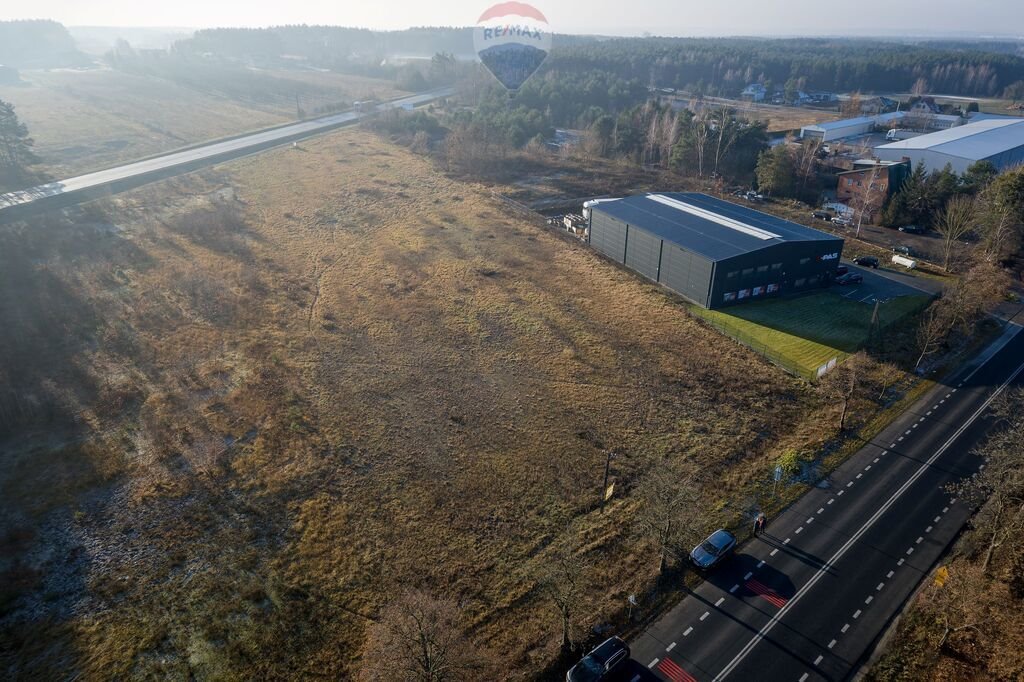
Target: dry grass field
{"type": "Point", "coordinates": [246, 406]}
{"type": "Point", "coordinates": [88, 120]}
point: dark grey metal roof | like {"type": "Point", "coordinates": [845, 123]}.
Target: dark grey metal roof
{"type": "Point", "coordinates": [712, 227]}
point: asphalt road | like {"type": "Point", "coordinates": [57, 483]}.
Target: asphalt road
{"type": "Point", "coordinates": [90, 185]}
{"type": "Point", "coordinates": [809, 599]}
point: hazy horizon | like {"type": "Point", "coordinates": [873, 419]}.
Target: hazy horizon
{"type": "Point", "coordinates": [913, 18]}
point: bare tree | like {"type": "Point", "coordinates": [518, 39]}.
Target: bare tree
{"type": "Point", "coordinates": [420, 638]}
{"type": "Point", "coordinates": [701, 126]}
{"type": "Point", "coordinates": [841, 384]}
{"type": "Point", "coordinates": [932, 331]}
{"type": "Point", "coordinates": [562, 581]}
{"type": "Point", "coordinates": [953, 222]}
{"type": "Point", "coordinates": [868, 198]}
{"type": "Point", "coordinates": [670, 511]}
{"type": "Point", "coordinates": [999, 487]}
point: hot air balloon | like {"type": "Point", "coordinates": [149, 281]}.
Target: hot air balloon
{"type": "Point", "coordinates": [512, 39]}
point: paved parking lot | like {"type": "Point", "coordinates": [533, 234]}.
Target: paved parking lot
{"type": "Point", "coordinates": [883, 286]}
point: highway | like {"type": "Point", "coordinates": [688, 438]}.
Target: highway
{"type": "Point", "coordinates": [99, 183]}
{"type": "Point", "coordinates": [807, 600]}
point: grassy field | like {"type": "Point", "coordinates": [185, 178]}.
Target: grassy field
{"type": "Point", "coordinates": [284, 388]}
{"type": "Point", "coordinates": [778, 117]}
{"type": "Point", "coordinates": [89, 120]}
{"type": "Point", "coordinates": [808, 331]}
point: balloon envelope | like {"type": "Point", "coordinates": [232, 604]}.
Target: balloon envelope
{"type": "Point", "coordinates": [512, 39]}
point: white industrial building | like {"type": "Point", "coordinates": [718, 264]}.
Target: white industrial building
{"type": "Point", "coordinates": [862, 125]}
{"type": "Point", "coordinates": [1000, 141]}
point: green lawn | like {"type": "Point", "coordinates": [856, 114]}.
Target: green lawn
{"type": "Point", "coordinates": [805, 332]}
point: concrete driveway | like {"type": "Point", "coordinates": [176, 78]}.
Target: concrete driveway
{"type": "Point", "coordinates": [884, 285]}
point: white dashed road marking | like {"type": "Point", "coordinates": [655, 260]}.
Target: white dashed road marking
{"type": "Point", "coordinates": [706, 614]}
{"type": "Point", "coordinates": [670, 647]}
{"type": "Point", "coordinates": [818, 659]}
{"type": "Point", "coordinates": [845, 628]}
{"type": "Point", "coordinates": [653, 663]}
{"type": "Point", "coordinates": [720, 600]}
{"type": "Point", "coordinates": [868, 600]}
{"type": "Point", "coordinates": [688, 631]}
{"type": "Point", "coordinates": [831, 644]}
{"type": "Point", "coordinates": [733, 588]}
{"type": "Point", "coordinates": [889, 574]}
{"type": "Point", "coordinates": [856, 614]}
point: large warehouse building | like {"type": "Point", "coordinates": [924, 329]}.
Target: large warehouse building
{"type": "Point", "coordinates": [1000, 141]}
{"type": "Point", "coordinates": [712, 252]}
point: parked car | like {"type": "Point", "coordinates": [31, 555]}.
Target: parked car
{"type": "Point", "coordinates": [754, 196]}
{"type": "Point", "coordinates": [714, 550]}
{"type": "Point", "coordinates": [822, 215]}
{"type": "Point", "coordinates": [866, 261]}
{"type": "Point", "coordinates": [849, 278]}
{"type": "Point", "coordinates": [842, 269]}
{"type": "Point", "coordinates": [903, 250]}
{"type": "Point", "coordinates": [603, 663]}
{"type": "Point", "coordinates": [912, 229]}
{"type": "Point", "coordinates": [842, 221]}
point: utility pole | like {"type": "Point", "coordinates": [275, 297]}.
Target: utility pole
{"type": "Point", "coordinates": [604, 487]}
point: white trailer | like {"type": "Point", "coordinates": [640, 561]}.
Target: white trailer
{"type": "Point", "coordinates": [908, 263]}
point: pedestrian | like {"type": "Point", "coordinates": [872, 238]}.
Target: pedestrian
{"type": "Point", "coordinates": [759, 523]}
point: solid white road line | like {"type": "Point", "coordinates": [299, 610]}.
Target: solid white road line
{"type": "Point", "coordinates": [770, 625]}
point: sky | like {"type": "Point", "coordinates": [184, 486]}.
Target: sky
{"type": "Point", "coordinates": [608, 17]}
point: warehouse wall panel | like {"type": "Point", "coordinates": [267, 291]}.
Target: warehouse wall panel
{"type": "Point", "coordinates": [608, 236]}
{"type": "Point", "coordinates": [643, 252]}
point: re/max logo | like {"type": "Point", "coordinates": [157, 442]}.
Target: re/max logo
{"type": "Point", "coordinates": [830, 256]}
{"type": "Point", "coordinates": [510, 30]}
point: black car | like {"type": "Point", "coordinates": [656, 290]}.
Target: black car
{"type": "Point", "coordinates": [867, 261]}
{"type": "Point", "coordinates": [912, 229]}
{"type": "Point", "coordinates": [842, 269]}
{"type": "Point", "coordinates": [822, 215]}
{"type": "Point", "coordinates": [602, 663]}
{"type": "Point", "coordinates": [714, 550]}
{"type": "Point", "coordinates": [903, 250]}
{"type": "Point", "coordinates": [849, 278]}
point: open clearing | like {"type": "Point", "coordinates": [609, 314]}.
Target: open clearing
{"type": "Point", "coordinates": [93, 119]}
{"type": "Point", "coordinates": [281, 389]}
{"type": "Point", "coordinates": [807, 331]}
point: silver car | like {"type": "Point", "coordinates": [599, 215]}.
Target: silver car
{"type": "Point", "coordinates": [718, 547]}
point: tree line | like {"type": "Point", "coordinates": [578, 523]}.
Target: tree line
{"type": "Point", "coordinates": [725, 66]}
